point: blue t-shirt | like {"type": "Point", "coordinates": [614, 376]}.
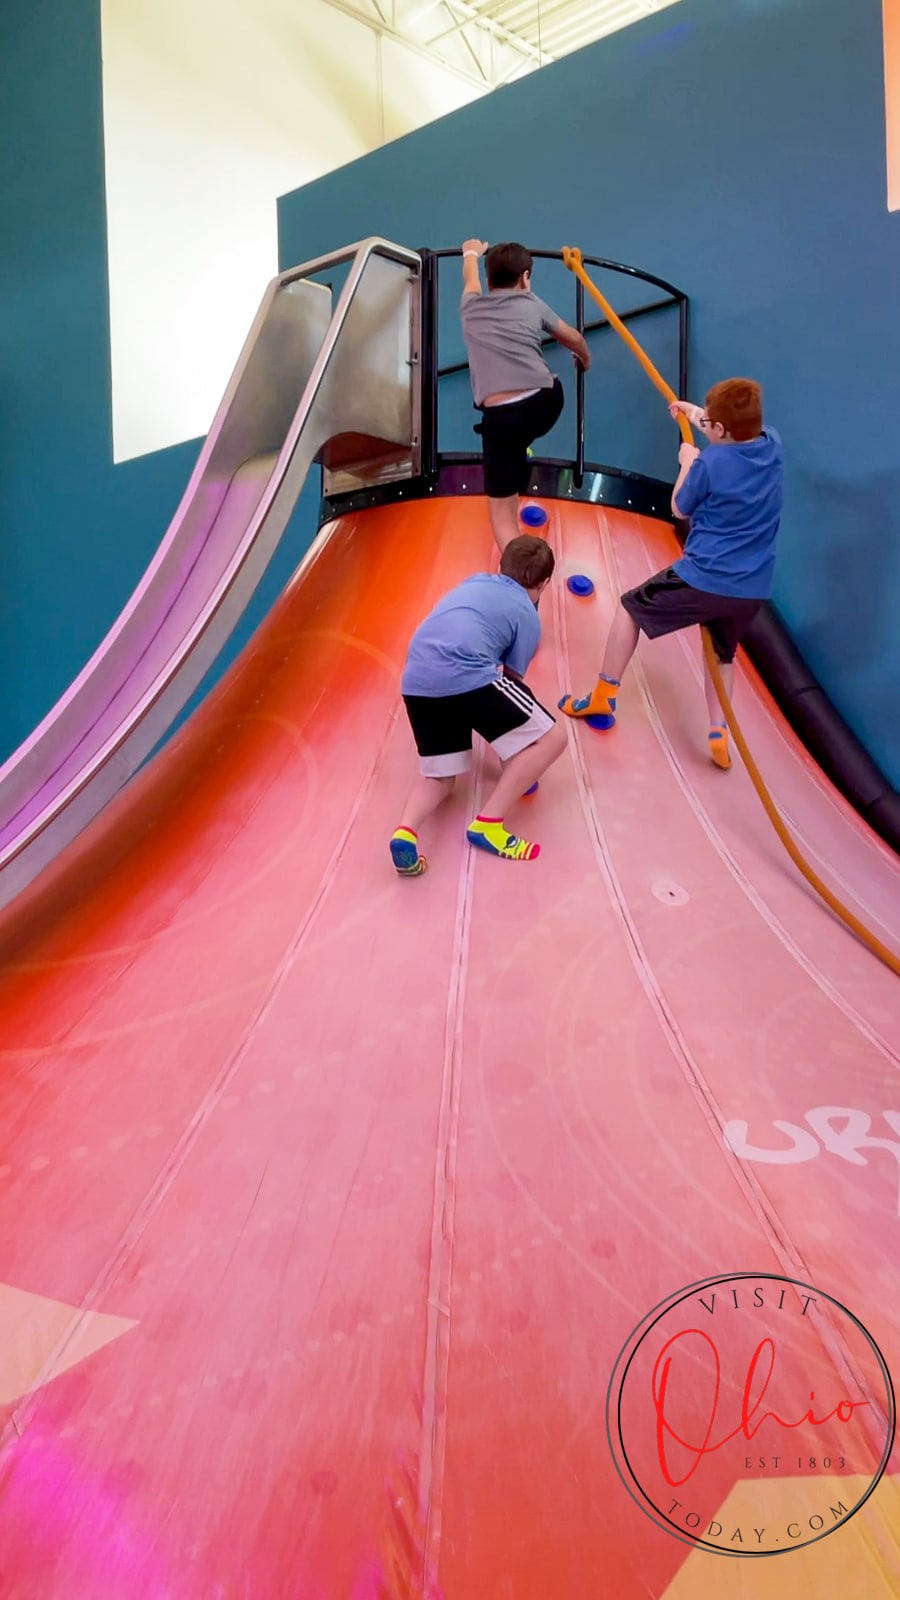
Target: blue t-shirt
{"type": "Point", "coordinates": [733, 496]}
{"type": "Point", "coordinates": [488, 622]}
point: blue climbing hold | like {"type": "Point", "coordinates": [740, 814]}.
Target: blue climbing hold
{"type": "Point", "coordinates": [601, 723]}
{"type": "Point", "coordinates": [579, 584]}
{"type": "Point", "coordinates": [533, 516]}
{"type": "Point", "coordinates": [533, 790]}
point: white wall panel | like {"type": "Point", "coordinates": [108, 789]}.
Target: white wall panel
{"type": "Point", "coordinates": [212, 108]}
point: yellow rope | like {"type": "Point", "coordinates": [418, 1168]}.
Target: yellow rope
{"type": "Point", "coordinates": [573, 260]}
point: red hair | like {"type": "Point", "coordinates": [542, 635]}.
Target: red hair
{"type": "Point", "coordinates": [737, 404]}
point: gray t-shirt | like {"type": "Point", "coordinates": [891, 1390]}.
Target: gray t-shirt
{"type": "Point", "coordinates": [502, 330]}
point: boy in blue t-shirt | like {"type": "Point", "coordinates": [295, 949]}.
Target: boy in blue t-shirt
{"type": "Point", "coordinates": [464, 675]}
{"type": "Point", "coordinates": [732, 494]}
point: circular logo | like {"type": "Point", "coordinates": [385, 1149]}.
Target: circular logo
{"type": "Point", "coordinates": [750, 1414]}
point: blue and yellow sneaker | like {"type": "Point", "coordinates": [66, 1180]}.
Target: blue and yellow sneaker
{"type": "Point", "coordinates": [405, 853]}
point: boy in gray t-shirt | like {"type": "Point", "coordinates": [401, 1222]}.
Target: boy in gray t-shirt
{"type": "Point", "coordinates": [517, 394]}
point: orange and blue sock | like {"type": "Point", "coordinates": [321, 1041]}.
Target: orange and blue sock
{"type": "Point", "coordinates": [599, 706]}
{"type": "Point", "coordinates": [718, 746]}
{"type": "Point", "coordinates": [491, 834]}
{"type": "Point", "coordinates": [405, 853]}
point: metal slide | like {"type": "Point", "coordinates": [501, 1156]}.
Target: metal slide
{"type": "Point", "coordinates": [332, 1201]}
{"type": "Point", "coordinates": [312, 382]}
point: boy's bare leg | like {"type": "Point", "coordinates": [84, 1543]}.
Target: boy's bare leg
{"type": "Point", "coordinates": [424, 797]}
{"type": "Point", "coordinates": [504, 516]}
{"type": "Point", "coordinates": [524, 769]}
{"type": "Point", "coordinates": [620, 646]}
{"type": "Point", "coordinates": [713, 703]}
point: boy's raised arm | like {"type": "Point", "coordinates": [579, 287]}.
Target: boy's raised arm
{"type": "Point", "coordinates": [692, 412]}
{"type": "Point", "coordinates": [574, 341]}
{"type": "Point", "coordinates": [473, 250]}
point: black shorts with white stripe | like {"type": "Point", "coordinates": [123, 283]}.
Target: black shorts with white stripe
{"type": "Point", "coordinates": [504, 712]}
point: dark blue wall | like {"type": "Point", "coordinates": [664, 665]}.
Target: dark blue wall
{"type": "Point", "coordinates": [735, 147]}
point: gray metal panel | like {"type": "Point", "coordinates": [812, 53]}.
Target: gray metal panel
{"type": "Point", "coordinates": [304, 377]}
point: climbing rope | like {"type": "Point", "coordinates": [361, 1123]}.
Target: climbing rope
{"type": "Point", "coordinates": [573, 260]}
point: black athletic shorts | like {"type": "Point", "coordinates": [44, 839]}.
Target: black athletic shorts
{"type": "Point", "coordinates": [504, 712]}
{"type": "Point", "coordinates": [507, 431]}
{"type": "Point", "coordinates": [665, 604]}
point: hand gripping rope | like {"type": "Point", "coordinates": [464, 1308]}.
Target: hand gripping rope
{"type": "Point", "coordinates": [572, 259]}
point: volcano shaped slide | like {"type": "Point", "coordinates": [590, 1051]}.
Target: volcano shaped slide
{"type": "Point", "coordinates": [332, 1200]}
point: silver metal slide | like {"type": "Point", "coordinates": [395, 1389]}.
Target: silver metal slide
{"type": "Point", "coordinates": [314, 382]}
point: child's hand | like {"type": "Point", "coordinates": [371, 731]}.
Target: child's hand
{"type": "Point", "coordinates": [685, 408]}
{"type": "Point", "coordinates": [688, 454]}
{"type": "Point", "coordinates": [474, 246]}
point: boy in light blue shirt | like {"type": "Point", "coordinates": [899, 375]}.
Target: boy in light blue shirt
{"type": "Point", "coordinates": [732, 494]}
{"type": "Point", "coordinates": [464, 674]}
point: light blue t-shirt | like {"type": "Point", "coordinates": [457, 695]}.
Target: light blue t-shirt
{"type": "Point", "coordinates": [488, 622]}
{"type": "Point", "coordinates": [733, 496]}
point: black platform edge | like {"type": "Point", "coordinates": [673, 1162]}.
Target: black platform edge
{"type": "Point", "coordinates": [550, 480]}
{"type": "Point", "coordinates": [790, 681]}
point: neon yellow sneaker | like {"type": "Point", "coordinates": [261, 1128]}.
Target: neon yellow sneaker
{"type": "Point", "coordinates": [491, 834]}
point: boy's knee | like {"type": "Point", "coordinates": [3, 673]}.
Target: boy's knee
{"type": "Point", "coordinates": [555, 740]}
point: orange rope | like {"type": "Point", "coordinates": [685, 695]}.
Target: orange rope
{"type": "Point", "coordinates": [573, 260]}
{"type": "Point", "coordinates": [802, 865]}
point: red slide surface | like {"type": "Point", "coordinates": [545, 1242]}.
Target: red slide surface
{"type": "Point", "coordinates": [331, 1199]}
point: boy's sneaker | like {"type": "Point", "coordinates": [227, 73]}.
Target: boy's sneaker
{"type": "Point", "coordinates": [492, 835]}
{"type": "Point", "coordinates": [718, 746]}
{"type": "Point", "coordinates": [601, 702]}
{"type": "Point", "coordinates": [405, 854]}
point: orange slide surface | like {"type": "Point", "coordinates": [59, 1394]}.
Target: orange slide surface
{"type": "Point", "coordinates": [332, 1202]}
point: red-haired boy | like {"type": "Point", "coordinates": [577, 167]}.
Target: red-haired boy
{"type": "Point", "coordinates": [732, 495]}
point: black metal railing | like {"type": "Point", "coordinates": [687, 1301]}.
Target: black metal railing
{"type": "Point", "coordinates": [432, 371]}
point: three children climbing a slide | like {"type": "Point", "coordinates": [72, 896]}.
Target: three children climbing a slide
{"type": "Point", "coordinates": [467, 661]}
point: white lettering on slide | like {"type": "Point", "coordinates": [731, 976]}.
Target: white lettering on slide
{"type": "Point", "coordinates": [837, 1130]}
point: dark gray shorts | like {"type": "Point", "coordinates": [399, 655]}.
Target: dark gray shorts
{"type": "Point", "coordinates": [666, 604]}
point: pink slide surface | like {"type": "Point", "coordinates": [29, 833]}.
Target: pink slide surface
{"type": "Point", "coordinates": [358, 1231]}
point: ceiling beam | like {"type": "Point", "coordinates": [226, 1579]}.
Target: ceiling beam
{"type": "Point", "coordinates": [348, 8]}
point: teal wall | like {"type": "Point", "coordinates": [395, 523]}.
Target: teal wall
{"type": "Point", "coordinates": [734, 146]}
{"type": "Point", "coordinates": [75, 532]}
